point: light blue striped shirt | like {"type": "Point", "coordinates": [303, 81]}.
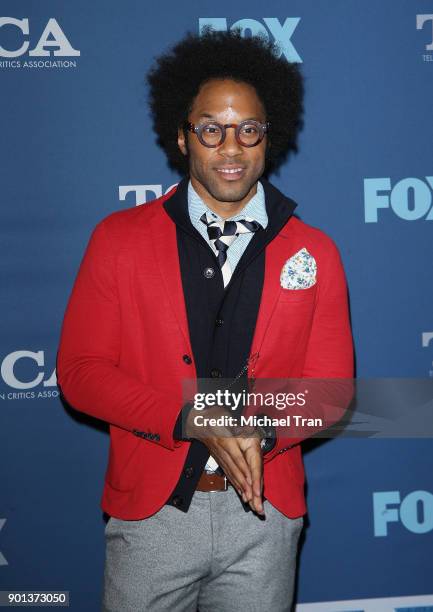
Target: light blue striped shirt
{"type": "Point", "coordinates": [255, 209]}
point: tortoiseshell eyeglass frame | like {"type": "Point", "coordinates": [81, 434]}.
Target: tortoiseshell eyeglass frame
{"type": "Point", "coordinates": [263, 128]}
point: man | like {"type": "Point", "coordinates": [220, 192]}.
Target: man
{"type": "Point", "coordinates": [215, 280]}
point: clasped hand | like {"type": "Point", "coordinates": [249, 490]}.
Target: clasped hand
{"type": "Point", "coordinates": [240, 456]}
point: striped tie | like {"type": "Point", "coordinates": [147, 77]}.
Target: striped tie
{"type": "Point", "coordinates": [222, 234]}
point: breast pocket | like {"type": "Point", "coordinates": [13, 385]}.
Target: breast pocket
{"type": "Point", "coordinates": [295, 312]}
{"type": "Point", "coordinates": [288, 333]}
{"type": "Point", "coordinates": [297, 295]}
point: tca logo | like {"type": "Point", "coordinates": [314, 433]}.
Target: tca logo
{"type": "Point", "coordinates": [2, 557]}
{"type": "Point", "coordinates": [420, 21]}
{"type": "Point", "coordinates": [410, 199]}
{"type": "Point", "coordinates": [142, 191]}
{"type": "Point", "coordinates": [415, 511]}
{"type": "Point", "coordinates": [271, 26]}
{"type": "Point", "coordinates": [52, 36]}
{"type": "Point", "coordinates": [427, 338]}
{"type": "Point", "coordinates": [9, 376]}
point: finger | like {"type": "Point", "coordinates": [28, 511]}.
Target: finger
{"type": "Point", "coordinates": [253, 456]}
{"type": "Point", "coordinates": [256, 503]}
{"type": "Point", "coordinates": [234, 451]}
{"type": "Point", "coordinates": [229, 455]}
{"type": "Point", "coordinates": [255, 462]}
{"type": "Point", "coordinates": [234, 473]}
{"type": "Point", "coordinates": [223, 447]}
{"type": "Point", "coordinates": [234, 481]}
{"type": "Point", "coordinates": [230, 470]}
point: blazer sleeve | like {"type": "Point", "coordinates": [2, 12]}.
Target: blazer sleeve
{"type": "Point", "coordinates": [88, 370]}
{"type": "Point", "coordinates": [329, 351]}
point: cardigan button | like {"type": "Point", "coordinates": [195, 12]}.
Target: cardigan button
{"type": "Point", "coordinates": [188, 472]}
{"type": "Point", "coordinates": [177, 501]}
{"type": "Point", "coordinates": [219, 322]}
{"type": "Point", "coordinates": [187, 359]}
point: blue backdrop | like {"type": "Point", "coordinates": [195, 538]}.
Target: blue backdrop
{"type": "Point", "coordinates": [77, 145]}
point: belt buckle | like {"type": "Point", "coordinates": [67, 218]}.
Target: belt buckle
{"type": "Point", "coordinates": [226, 486]}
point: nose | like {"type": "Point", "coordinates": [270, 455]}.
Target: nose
{"type": "Point", "coordinates": [230, 147]}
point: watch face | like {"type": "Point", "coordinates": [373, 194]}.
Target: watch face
{"type": "Point", "coordinates": [267, 444]}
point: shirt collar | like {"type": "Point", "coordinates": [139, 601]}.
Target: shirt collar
{"type": "Point", "coordinates": [255, 208]}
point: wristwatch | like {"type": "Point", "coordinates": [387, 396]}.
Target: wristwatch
{"type": "Point", "coordinates": [268, 435]}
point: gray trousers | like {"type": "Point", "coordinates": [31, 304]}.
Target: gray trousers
{"type": "Point", "coordinates": [216, 557]}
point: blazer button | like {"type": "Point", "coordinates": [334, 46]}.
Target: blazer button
{"type": "Point", "coordinates": [189, 472]}
{"type": "Point", "coordinates": [219, 322]}
{"type": "Point", "coordinates": [209, 272]}
{"type": "Point", "coordinates": [187, 359]}
{"type": "Point", "coordinates": [177, 501]}
{"type": "Point", "coordinates": [216, 373]}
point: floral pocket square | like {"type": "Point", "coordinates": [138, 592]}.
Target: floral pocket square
{"type": "Point", "coordinates": [299, 272]}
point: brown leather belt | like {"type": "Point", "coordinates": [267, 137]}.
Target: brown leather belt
{"type": "Point", "coordinates": [212, 482]}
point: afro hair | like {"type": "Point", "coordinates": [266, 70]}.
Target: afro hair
{"type": "Point", "coordinates": [176, 78]}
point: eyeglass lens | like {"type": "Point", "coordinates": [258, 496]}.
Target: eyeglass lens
{"type": "Point", "coordinates": [248, 133]}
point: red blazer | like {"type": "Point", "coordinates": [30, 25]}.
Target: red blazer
{"type": "Point", "coordinates": [125, 333]}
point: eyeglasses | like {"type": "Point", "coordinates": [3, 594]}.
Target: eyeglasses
{"type": "Point", "coordinates": [212, 134]}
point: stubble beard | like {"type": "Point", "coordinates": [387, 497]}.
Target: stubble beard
{"type": "Point", "coordinates": [226, 193]}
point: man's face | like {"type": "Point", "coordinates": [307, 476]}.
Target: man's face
{"type": "Point", "coordinates": [225, 101]}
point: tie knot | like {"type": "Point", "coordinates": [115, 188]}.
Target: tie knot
{"type": "Point", "coordinates": [220, 228]}
{"type": "Point", "coordinates": [222, 234]}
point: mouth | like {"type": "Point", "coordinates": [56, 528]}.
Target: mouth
{"type": "Point", "coordinates": [231, 173]}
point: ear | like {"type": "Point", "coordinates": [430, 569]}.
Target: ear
{"type": "Point", "coordinates": [181, 141]}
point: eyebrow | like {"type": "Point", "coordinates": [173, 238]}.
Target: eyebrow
{"type": "Point", "coordinates": [209, 116]}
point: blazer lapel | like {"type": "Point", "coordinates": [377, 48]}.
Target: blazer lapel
{"type": "Point", "coordinates": [274, 258]}
{"type": "Point", "coordinates": [166, 251]}
{"type": "Point", "coordinates": [279, 209]}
